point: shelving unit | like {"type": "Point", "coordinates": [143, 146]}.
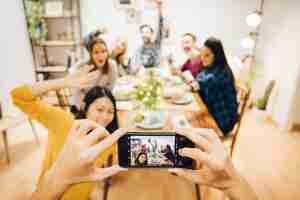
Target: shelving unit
{"type": "Point", "coordinates": [56, 43]}
{"type": "Point", "coordinates": [51, 69]}
{"type": "Point", "coordinates": [59, 17]}
{"type": "Point", "coordinates": [52, 57]}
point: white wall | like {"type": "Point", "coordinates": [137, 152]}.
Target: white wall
{"type": "Point", "coordinates": [278, 53]}
{"type": "Point", "coordinates": [15, 52]}
{"type": "Point", "coordinates": [224, 19]}
{"type": "Point", "coordinates": [295, 118]}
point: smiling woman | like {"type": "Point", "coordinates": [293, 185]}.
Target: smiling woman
{"type": "Point", "coordinates": [99, 61]}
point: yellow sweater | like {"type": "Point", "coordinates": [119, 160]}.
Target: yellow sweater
{"type": "Point", "coordinates": [58, 122]}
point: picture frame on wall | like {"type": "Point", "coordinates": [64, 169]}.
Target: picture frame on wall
{"type": "Point", "coordinates": [124, 4]}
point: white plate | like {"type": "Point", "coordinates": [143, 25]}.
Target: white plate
{"type": "Point", "coordinates": [158, 121]}
{"type": "Point", "coordinates": [186, 99]}
{"type": "Point", "coordinates": [150, 126]}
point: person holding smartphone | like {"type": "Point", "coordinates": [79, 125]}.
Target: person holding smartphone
{"type": "Point", "coordinates": [87, 140]}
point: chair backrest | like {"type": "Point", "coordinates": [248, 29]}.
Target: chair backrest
{"type": "Point", "coordinates": [1, 114]}
{"type": "Point", "coordinates": [62, 98]}
{"type": "Point", "coordinates": [243, 97]}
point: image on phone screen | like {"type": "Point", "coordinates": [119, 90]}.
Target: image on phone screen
{"type": "Point", "coordinates": [152, 151]}
{"type": "Point", "coordinates": [159, 150]}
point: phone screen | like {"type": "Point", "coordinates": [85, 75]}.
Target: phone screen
{"type": "Point", "coordinates": [153, 150]}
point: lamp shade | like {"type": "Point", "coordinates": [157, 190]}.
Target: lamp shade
{"type": "Point", "coordinates": [254, 19]}
{"type": "Point", "coordinates": [248, 43]}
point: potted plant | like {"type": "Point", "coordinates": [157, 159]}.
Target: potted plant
{"type": "Point", "coordinates": [148, 95]}
{"type": "Point", "coordinates": [37, 26]}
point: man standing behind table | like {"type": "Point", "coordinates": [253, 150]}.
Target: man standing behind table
{"type": "Point", "coordinates": [148, 55]}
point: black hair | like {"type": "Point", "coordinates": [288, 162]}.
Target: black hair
{"type": "Point", "coordinates": [193, 36]}
{"type": "Point", "coordinates": [169, 154]}
{"type": "Point", "coordinates": [220, 60]}
{"type": "Point", "coordinates": [90, 49]}
{"type": "Point", "coordinates": [90, 38]}
{"type": "Point", "coordinates": [91, 96]}
{"type": "Point", "coordinates": [137, 160]}
{"type": "Point", "coordinates": [146, 25]}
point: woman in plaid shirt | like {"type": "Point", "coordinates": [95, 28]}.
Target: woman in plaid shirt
{"type": "Point", "coordinates": [217, 87]}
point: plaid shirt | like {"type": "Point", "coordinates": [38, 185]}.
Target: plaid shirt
{"type": "Point", "coordinates": [218, 92]}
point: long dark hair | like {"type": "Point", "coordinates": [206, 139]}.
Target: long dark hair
{"type": "Point", "coordinates": [216, 46]}
{"type": "Point", "coordinates": [90, 49]}
{"type": "Point", "coordinates": [91, 96]}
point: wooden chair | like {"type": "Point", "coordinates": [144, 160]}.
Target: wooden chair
{"type": "Point", "coordinates": [7, 122]}
{"type": "Point", "coordinates": [243, 95]}
{"type": "Point", "coordinates": [62, 98]}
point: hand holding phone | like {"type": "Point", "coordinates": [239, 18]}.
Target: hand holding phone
{"type": "Point", "coordinates": [153, 150]}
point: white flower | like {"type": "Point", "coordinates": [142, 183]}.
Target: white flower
{"type": "Point", "coordinates": [145, 99]}
{"type": "Point", "coordinates": [158, 91]}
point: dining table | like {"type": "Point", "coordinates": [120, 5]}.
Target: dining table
{"type": "Point", "coordinates": [158, 184]}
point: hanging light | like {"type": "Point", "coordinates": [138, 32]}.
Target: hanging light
{"type": "Point", "coordinates": [254, 19]}
{"type": "Point", "coordinates": [249, 42]}
{"type": "Point", "coordinates": [238, 62]}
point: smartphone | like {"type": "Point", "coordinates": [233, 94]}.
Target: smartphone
{"type": "Point", "coordinates": [153, 150]}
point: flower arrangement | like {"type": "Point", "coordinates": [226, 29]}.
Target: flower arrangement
{"type": "Point", "coordinates": [149, 92]}
{"type": "Point", "coordinates": [37, 27]}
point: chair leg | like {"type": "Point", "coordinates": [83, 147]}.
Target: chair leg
{"type": "Point", "coordinates": [6, 146]}
{"type": "Point", "coordinates": [34, 131]}
{"type": "Point", "coordinates": [198, 193]}
{"type": "Point", "coordinates": [233, 142]}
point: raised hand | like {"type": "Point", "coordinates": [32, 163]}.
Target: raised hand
{"type": "Point", "coordinates": [158, 2]}
{"type": "Point", "coordinates": [82, 78]}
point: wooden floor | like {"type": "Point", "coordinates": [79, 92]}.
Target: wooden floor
{"type": "Point", "coordinates": [268, 157]}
